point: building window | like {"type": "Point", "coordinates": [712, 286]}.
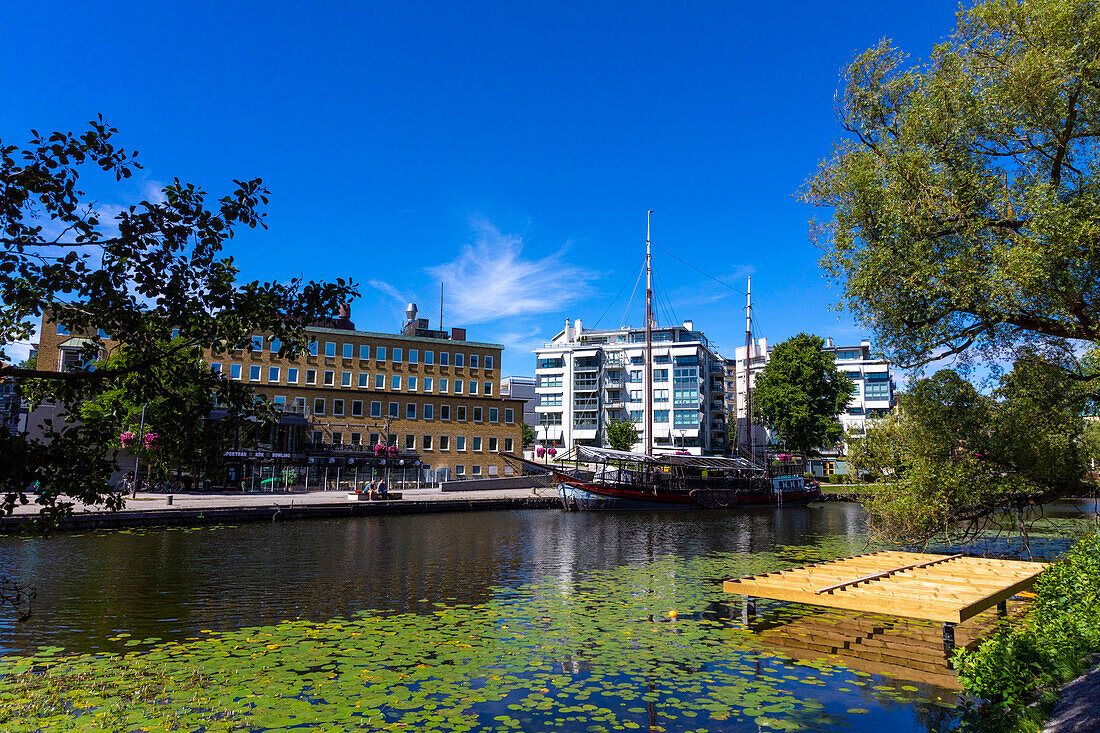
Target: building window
{"type": "Point", "coordinates": [554, 380]}
{"type": "Point", "coordinates": [426, 443]}
{"type": "Point", "coordinates": [460, 442]}
{"type": "Point", "coordinates": [273, 374]}
{"type": "Point", "coordinates": [357, 408]}
{"type": "Point", "coordinates": [442, 385]}
{"type": "Point", "coordinates": [685, 418]}
{"type": "Point", "coordinates": [330, 349]}
{"type": "Point", "coordinates": [319, 406]}
{"type": "Point", "coordinates": [414, 356]}
{"type": "Point", "coordinates": [660, 416]}
{"type": "Point", "coordinates": [554, 363]}
{"type": "Point", "coordinates": [660, 395]}
{"type": "Point", "coordinates": [477, 414]}
{"type": "Point", "coordinates": [348, 351]}
{"type": "Point", "coordinates": [300, 404]}
{"type": "Point", "coordinates": [444, 412]}
{"type": "Point", "coordinates": [411, 384]}
{"type": "Point", "coordinates": [318, 437]}
{"type": "Point", "coordinates": [338, 408]}
{"type": "Point", "coordinates": [488, 391]}
{"type": "Point", "coordinates": [549, 418]}
{"type": "Point", "coordinates": [345, 379]}
{"type": "Point", "coordinates": [507, 445]}
{"type": "Point", "coordinates": [429, 357]}
{"type": "Point", "coordinates": [509, 415]}
{"type": "Point", "coordinates": [337, 438]}
{"type": "Point", "coordinates": [460, 470]}
{"type": "Point", "coordinates": [876, 391]}
{"type": "Point", "coordinates": [473, 387]}
{"type": "Point", "coordinates": [254, 373]}
{"type": "Point", "coordinates": [552, 399]}
{"type": "Point", "coordinates": [364, 380]}
{"type": "Point", "coordinates": [276, 345]}
{"type": "Point", "coordinates": [373, 440]}
{"type": "Point", "coordinates": [660, 375]}
{"type": "Point", "coordinates": [492, 445]}
{"type": "Point", "coordinates": [635, 395]}
{"type": "Point", "coordinates": [427, 384]}
{"type": "Point", "coordinates": [395, 382]}
{"type": "Point", "coordinates": [257, 343]}
{"type": "Point", "coordinates": [635, 375]}
{"type": "Point", "coordinates": [488, 363]}
{"type": "Point", "coordinates": [444, 442]}
{"type": "Point", "coordinates": [473, 361]}
{"type": "Point", "coordinates": [635, 415]}
{"type": "Point", "coordinates": [364, 352]}
{"type": "Point", "coordinates": [410, 441]}
{"type": "Point", "coordinates": [410, 411]}
{"type": "Point", "coordinates": [312, 348]}
{"type": "Point", "coordinates": [429, 412]}
{"type": "Point", "coordinates": [376, 409]}
{"type": "Point", "coordinates": [311, 376]}
{"type": "Point", "coordinates": [458, 386]}
{"type": "Point", "coordinates": [279, 401]}
{"type": "Point", "coordinates": [216, 367]}
{"type": "Point", "coordinates": [380, 353]}
{"type": "Point", "coordinates": [475, 470]}
{"type": "Point", "coordinates": [460, 413]}
{"type": "Point", "coordinates": [394, 410]}
{"type": "Point", "coordinates": [330, 378]}
{"type": "Point", "coordinates": [379, 381]}
{"type": "Point", "coordinates": [291, 375]}
{"type": "Point", "coordinates": [494, 414]}
{"type": "Point", "coordinates": [356, 438]}
{"type": "Point", "coordinates": [458, 360]}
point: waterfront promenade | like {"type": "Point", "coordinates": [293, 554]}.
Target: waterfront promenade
{"type": "Point", "coordinates": [152, 509]}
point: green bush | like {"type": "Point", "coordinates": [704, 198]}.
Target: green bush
{"type": "Point", "coordinates": [1031, 659]}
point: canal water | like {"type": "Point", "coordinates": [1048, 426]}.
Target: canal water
{"type": "Point", "coordinates": [524, 620]}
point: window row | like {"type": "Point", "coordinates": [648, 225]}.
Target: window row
{"type": "Point", "coordinates": [397, 382]}
{"type": "Point", "coordinates": [395, 354]}
{"type": "Point", "coordinates": [427, 411]}
{"type": "Point", "coordinates": [461, 444]}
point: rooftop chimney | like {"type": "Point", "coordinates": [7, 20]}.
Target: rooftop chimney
{"type": "Point", "coordinates": [689, 325]}
{"type": "Point", "coordinates": [578, 328]}
{"type": "Point", "coordinates": [410, 312]}
{"type": "Point", "coordinates": [568, 334]}
{"type": "Point", "coordinates": [829, 342]}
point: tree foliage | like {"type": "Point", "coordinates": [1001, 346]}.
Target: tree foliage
{"type": "Point", "coordinates": [155, 280]}
{"type": "Point", "coordinates": [528, 435]}
{"type": "Point", "coordinates": [621, 434]}
{"type": "Point", "coordinates": [800, 393]}
{"type": "Point", "coordinates": [965, 209]}
{"type": "Point", "coordinates": [956, 460]}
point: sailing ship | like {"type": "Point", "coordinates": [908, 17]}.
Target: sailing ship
{"type": "Point", "coordinates": [604, 479]}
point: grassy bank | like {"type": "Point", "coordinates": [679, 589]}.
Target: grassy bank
{"type": "Point", "coordinates": [1017, 672]}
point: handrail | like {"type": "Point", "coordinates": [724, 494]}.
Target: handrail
{"type": "Point", "coordinates": [884, 573]}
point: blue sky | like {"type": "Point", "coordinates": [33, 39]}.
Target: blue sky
{"type": "Point", "coordinates": [509, 149]}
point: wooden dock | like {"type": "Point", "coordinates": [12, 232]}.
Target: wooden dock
{"type": "Point", "coordinates": [948, 589]}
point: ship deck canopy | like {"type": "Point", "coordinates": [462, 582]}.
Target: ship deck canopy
{"type": "Point", "coordinates": [607, 455]}
{"type": "Point", "coordinates": [946, 588]}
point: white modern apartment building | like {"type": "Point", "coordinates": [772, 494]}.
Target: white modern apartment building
{"type": "Point", "coordinates": [873, 396]}
{"type": "Point", "coordinates": [586, 379]}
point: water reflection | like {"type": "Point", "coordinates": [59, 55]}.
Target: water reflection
{"type": "Point", "coordinates": [172, 583]}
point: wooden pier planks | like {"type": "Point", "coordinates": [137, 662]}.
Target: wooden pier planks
{"type": "Point", "coordinates": [943, 588]}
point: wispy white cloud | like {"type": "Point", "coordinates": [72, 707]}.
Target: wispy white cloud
{"type": "Point", "coordinates": [520, 343]}
{"type": "Point", "coordinates": [391, 291]}
{"type": "Point", "coordinates": [491, 279]}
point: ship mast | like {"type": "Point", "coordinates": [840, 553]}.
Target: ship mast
{"type": "Point", "coordinates": [748, 372]}
{"type": "Point", "coordinates": [648, 340]}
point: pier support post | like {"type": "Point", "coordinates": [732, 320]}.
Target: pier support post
{"type": "Point", "coordinates": [748, 612]}
{"type": "Point", "coordinates": [948, 638]}
{"type": "Point", "coordinates": [1002, 608]}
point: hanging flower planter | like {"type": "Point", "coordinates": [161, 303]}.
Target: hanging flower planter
{"type": "Point", "coordinates": [552, 451]}
{"type": "Point", "coordinates": [540, 451]}
{"type": "Point", "coordinates": [393, 450]}
{"type": "Point", "coordinates": [151, 440]}
{"type": "Point", "coordinates": [128, 439]}
{"type": "Point", "coordinates": [379, 449]}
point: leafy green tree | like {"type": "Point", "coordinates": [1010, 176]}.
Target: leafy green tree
{"type": "Point", "coordinates": [621, 434]}
{"type": "Point", "coordinates": [955, 459]}
{"type": "Point", "coordinates": [963, 205]}
{"type": "Point", "coordinates": [157, 283]}
{"type": "Point", "coordinates": [528, 435]}
{"type": "Point", "coordinates": [800, 393]}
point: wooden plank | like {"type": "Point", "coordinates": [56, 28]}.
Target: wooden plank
{"type": "Point", "coordinates": [885, 573]}
{"type": "Point", "coordinates": [989, 601]}
{"type": "Point", "coordinates": [929, 611]}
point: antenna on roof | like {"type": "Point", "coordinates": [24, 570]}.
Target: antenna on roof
{"type": "Point", "coordinates": [440, 305]}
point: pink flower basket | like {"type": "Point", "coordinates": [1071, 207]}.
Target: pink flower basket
{"type": "Point", "coordinates": [128, 439]}
{"type": "Point", "coordinates": [540, 451]}
{"type": "Point", "coordinates": [393, 450]}
{"type": "Point", "coordinates": [552, 452]}
{"type": "Point", "coordinates": [379, 449]}
{"type": "Point", "coordinates": [151, 440]}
